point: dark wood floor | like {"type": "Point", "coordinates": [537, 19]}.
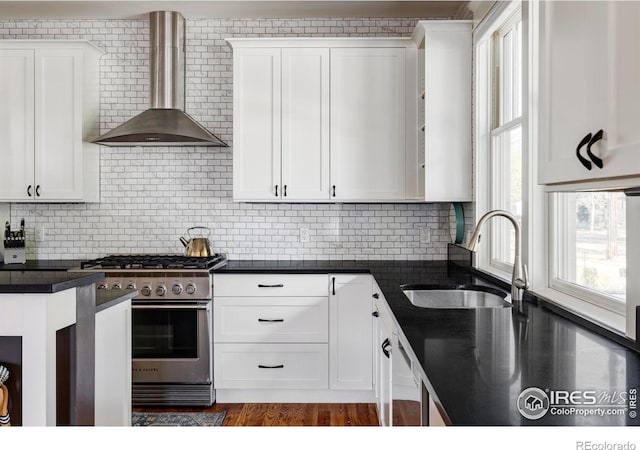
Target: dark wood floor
{"type": "Point", "coordinates": [290, 414]}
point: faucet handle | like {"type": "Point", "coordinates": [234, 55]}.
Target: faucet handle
{"type": "Point", "coordinates": [523, 283]}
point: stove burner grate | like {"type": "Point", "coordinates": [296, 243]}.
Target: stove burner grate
{"type": "Point", "coordinates": [154, 262]}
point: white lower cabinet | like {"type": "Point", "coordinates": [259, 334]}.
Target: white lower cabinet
{"type": "Point", "coordinates": [279, 319]}
{"type": "Point", "coordinates": [113, 366]}
{"type": "Point", "coordinates": [271, 366]}
{"type": "Point", "coordinates": [350, 332]}
{"type": "Point", "coordinates": [401, 395]}
{"type": "Point", "coordinates": [270, 332]}
{"type": "Point", "coordinates": [292, 337]}
{"type": "Point", "coordinates": [383, 332]}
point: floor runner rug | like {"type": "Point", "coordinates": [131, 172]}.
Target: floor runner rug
{"type": "Point", "coordinates": [177, 419]}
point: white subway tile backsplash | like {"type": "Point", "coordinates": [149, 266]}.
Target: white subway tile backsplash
{"type": "Point", "coordinates": [149, 197]}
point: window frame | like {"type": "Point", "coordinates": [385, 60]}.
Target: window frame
{"type": "Point", "coordinates": [556, 223]}
{"type": "Point", "coordinates": [488, 127]}
{"type": "Point", "coordinates": [536, 202]}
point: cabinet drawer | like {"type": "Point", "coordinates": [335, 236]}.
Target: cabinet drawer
{"type": "Point", "coordinates": [271, 366]}
{"type": "Point", "coordinates": [271, 319]}
{"type": "Point", "coordinates": [270, 285]}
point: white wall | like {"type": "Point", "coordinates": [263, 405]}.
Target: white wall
{"type": "Point", "coordinates": [150, 197]}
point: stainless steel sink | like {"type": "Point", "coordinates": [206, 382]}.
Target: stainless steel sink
{"type": "Point", "coordinates": [461, 297]}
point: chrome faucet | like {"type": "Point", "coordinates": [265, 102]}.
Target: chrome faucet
{"type": "Point", "coordinates": [519, 278]}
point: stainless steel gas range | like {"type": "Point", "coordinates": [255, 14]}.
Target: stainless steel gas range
{"type": "Point", "coordinates": [171, 326]}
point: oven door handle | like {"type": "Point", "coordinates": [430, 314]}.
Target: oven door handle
{"type": "Point", "coordinates": [172, 306]}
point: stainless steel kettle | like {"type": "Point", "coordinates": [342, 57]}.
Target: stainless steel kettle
{"type": "Point", "coordinates": [198, 245]}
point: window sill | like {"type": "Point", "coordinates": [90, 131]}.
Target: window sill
{"type": "Point", "coordinates": [611, 323]}
{"type": "Point", "coordinates": [602, 317]}
{"type": "Point", "coordinates": [500, 275]}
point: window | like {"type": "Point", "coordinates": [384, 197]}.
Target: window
{"type": "Point", "coordinates": [574, 242]}
{"type": "Point", "coordinates": [589, 236]}
{"type": "Point", "coordinates": [499, 136]}
{"type": "Point", "coordinates": [506, 139]}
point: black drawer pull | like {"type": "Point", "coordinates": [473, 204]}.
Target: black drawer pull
{"type": "Point", "coordinates": [333, 285]}
{"type": "Point", "coordinates": [276, 190]}
{"type": "Point", "coordinates": [386, 343]}
{"type": "Point", "coordinates": [585, 162]}
{"type": "Point", "coordinates": [597, 161]}
{"type": "Point", "coordinates": [279, 366]}
{"type": "Point", "coordinates": [270, 285]}
{"type": "Point", "coordinates": [375, 295]}
{"type": "Point", "coordinates": [270, 320]}
{"type": "Point", "coordinates": [29, 190]}
{"type": "Point", "coordinates": [38, 191]}
{"type": "Point", "coordinates": [375, 314]}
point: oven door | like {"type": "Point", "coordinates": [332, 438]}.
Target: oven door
{"type": "Point", "coordinates": [171, 342]}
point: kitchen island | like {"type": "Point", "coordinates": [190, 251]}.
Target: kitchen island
{"type": "Point", "coordinates": [50, 315]}
{"type": "Point", "coordinates": [475, 363]}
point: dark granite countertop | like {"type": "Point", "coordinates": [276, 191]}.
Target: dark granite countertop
{"type": "Point", "coordinates": [477, 362]}
{"type": "Point", "coordinates": [43, 264]}
{"type": "Point", "coordinates": [106, 298]}
{"type": "Point", "coordinates": [32, 282]}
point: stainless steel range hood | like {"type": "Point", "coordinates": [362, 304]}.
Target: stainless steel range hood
{"type": "Point", "coordinates": [165, 123]}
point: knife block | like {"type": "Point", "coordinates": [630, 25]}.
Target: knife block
{"type": "Point", "coordinates": [15, 256]}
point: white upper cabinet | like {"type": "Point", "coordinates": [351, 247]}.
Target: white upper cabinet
{"type": "Point", "coordinates": [443, 162]}
{"type": "Point", "coordinates": [58, 124]}
{"type": "Point", "coordinates": [281, 124]}
{"type": "Point", "coordinates": [589, 105]}
{"type": "Point", "coordinates": [256, 123]}
{"type": "Point", "coordinates": [337, 119]}
{"type": "Point", "coordinates": [311, 114]}
{"type": "Point", "coordinates": [16, 122]}
{"type": "Point", "coordinates": [51, 114]}
{"type": "Point", "coordinates": [305, 123]}
{"type": "Point", "coordinates": [367, 124]}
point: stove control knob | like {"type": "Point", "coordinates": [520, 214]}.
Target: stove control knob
{"type": "Point", "coordinates": [131, 286]}
{"type": "Point", "coordinates": [102, 285]}
{"type": "Point", "coordinates": [161, 290]}
{"type": "Point", "coordinates": [177, 289]}
{"type": "Point", "coordinates": [146, 291]}
{"type": "Point", "coordinates": [116, 285]}
{"type": "Point", "coordinates": [190, 289]}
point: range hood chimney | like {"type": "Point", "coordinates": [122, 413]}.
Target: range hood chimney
{"type": "Point", "coordinates": [165, 123]}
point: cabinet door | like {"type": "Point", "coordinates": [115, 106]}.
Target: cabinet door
{"type": "Point", "coordinates": [572, 80]}
{"type": "Point", "coordinates": [368, 123]}
{"type": "Point", "coordinates": [256, 124]}
{"type": "Point", "coordinates": [16, 124]}
{"type": "Point", "coordinates": [382, 354]}
{"type": "Point", "coordinates": [620, 149]}
{"type": "Point", "coordinates": [113, 366]}
{"type": "Point", "coordinates": [305, 123]}
{"type": "Point", "coordinates": [58, 124]}
{"type": "Point", "coordinates": [350, 332]}
{"type": "Point", "coordinates": [588, 82]}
